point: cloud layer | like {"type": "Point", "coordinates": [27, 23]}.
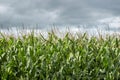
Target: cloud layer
{"type": "Point", "coordinates": [57, 11]}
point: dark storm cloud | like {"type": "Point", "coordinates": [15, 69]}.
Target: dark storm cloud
{"type": "Point", "coordinates": [57, 11]}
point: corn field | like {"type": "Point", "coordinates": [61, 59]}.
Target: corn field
{"type": "Point", "coordinates": [32, 57]}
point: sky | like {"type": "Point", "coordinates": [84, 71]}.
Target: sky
{"type": "Point", "coordinates": [60, 12]}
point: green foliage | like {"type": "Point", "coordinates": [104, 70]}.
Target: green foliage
{"type": "Point", "coordinates": [36, 58]}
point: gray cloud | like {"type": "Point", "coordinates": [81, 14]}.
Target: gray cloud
{"type": "Point", "coordinates": [57, 11]}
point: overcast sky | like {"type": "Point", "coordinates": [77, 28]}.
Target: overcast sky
{"type": "Point", "coordinates": [58, 11]}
